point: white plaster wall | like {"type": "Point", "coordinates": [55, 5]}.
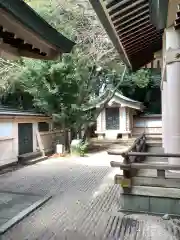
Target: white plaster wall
{"type": "Point", "coordinates": [9, 139]}
{"type": "Point", "coordinates": [122, 119]}
{"type": "Point", "coordinates": [103, 119]}
{"type": "Point", "coordinates": [147, 125]}
{"type": "Point", "coordinates": [8, 148]}
{"type": "Point", "coordinates": [98, 123]}
{"type": "Point", "coordinates": [16, 140]}
{"type": "Point", "coordinates": [49, 139]}
{"type": "Point", "coordinates": [35, 143]}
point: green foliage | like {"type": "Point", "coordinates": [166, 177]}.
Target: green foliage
{"type": "Point", "coordinates": [80, 149]}
{"type": "Point", "coordinates": [144, 86]}
{"type": "Point", "coordinates": [141, 78]}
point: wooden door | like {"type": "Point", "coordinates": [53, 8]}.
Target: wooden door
{"type": "Point", "coordinates": [25, 136]}
{"type": "Point", "coordinates": [112, 118]}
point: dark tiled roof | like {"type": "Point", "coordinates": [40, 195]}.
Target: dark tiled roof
{"type": "Point", "coordinates": [5, 110]}
{"type": "Point", "coordinates": [120, 97]}
{"type": "Point", "coordinates": [130, 27]}
{"type": "Point", "coordinates": [31, 20]}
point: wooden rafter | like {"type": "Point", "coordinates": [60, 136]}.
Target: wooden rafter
{"type": "Point", "coordinates": [131, 23]}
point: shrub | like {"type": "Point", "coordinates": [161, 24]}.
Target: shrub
{"type": "Point", "coordinates": [80, 149]}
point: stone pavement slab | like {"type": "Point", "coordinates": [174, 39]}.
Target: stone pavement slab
{"type": "Point", "coordinates": [15, 206]}
{"type": "Point", "coordinates": [84, 205]}
{"type": "Point", "coordinates": [11, 204]}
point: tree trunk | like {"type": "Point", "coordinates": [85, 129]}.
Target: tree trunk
{"type": "Point", "coordinates": [66, 140]}
{"type": "Point", "coordinates": [73, 134]}
{"type": "Point", "coordinates": [80, 132]}
{"type": "Point", "coordinates": [87, 134]}
{"type": "Point", "coordinates": [65, 137]}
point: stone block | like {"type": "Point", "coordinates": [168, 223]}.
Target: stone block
{"type": "Point", "coordinates": [134, 203]}
{"type": "Point", "coordinates": [161, 205]}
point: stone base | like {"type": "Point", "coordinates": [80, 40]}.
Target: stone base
{"type": "Point", "coordinates": [111, 135]}
{"type": "Point", "coordinates": [152, 200]}
{"type": "Point", "coordinates": [101, 136]}
{"type": "Point", "coordinates": [149, 204]}
{"type": "Point", "coordinates": [125, 136]}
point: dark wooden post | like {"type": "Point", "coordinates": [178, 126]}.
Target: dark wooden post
{"type": "Point", "coordinates": [126, 181]}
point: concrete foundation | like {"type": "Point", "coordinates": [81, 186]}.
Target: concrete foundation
{"type": "Point", "coordinates": [150, 204]}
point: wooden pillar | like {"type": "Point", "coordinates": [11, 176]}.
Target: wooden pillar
{"type": "Point", "coordinates": [35, 130]}
{"type": "Point", "coordinates": [173, 95]}
{"type": "Point", "coordinates": [163, 117]}
{"type": "Point", "coordinates": [164, 100]}
{"type": "Point", "coordinates": [165, 134]}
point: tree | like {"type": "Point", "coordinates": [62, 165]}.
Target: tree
{"type": "Point", "coordinates": [66, 87]}
{"type": "Point", "coordinates": [63, 88]}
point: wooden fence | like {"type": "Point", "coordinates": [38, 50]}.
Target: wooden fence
{"type": "Point", "coordinates": [134, 161]}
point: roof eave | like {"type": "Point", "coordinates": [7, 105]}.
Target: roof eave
{"type": "Point", "coordinates": [101, 13]}
{"type": "Point", "coordinates": [134, 105]}
{"type": "Point", "coordinates": [42, 37]}
{"type": "Point", "coordinates": [15, 8]}
{"type": "Point", "coordinates": [136, 40]}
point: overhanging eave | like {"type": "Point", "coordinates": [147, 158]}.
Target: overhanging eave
{"type": "Point", "coordinates": [27, 34]}
{"type": "Point", "coordinates": [130, 28]}
{"type": "Point", "coordinates": [103, 17]}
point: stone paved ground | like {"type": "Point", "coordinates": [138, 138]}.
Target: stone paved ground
{"type": "Point", "coordinates": [11, 204]}
{"type": "Point", "coordinates": [84, 203]}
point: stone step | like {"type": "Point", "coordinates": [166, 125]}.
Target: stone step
{"type": "Point", "coordinates": [154, 144]}
{"type": "Point", "coordinates": [34, 160]}
{"type": "Point", "coordinates": [98, 141]}
{"type": "Point", "coordinates": [155, 148]}
{"type": "Point", "coordinates": [29, 156]}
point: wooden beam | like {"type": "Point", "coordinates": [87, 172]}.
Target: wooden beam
{"type": "Point", "coordinates": [122, 23]}
{"type": "Point", "coordinates": [143, 24]}
{"type": "Point", "coordinates": [130, 14]}
{"type": "Point", "coordinates": [126, 9]}
{"type": "Point", "coordinates": [105, 19]}
{"type": "Point", "coordinates": [152, 165]}
{"type": "Point", "coordinates": [140, 44]}
{"type": "Point", "coordinates": [53, 55]}
{"type": "Point", "coordinates": [40, 144]}
{"type": "Point", "coordinates": [141, 38]}
{"type": "Point", "coordinates": [168, 182]}
{"type": "Point", "coordinates": [134, 23]}
{"type": "Point", "coordinates": [135, 34]}
{"type": "Point", "coordinates": [122, 4]}
{"type": "Point", "coordinates": [9, 49]}
{"type": "Point", "coordinates": [141, 48]}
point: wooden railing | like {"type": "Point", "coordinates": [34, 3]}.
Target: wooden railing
{"type": "Point", "coordinates": [139, 145]}
{"type": "Point", "coordinates": [133, 161]}
{"type": "Point", "coordinates": [161, 167]}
